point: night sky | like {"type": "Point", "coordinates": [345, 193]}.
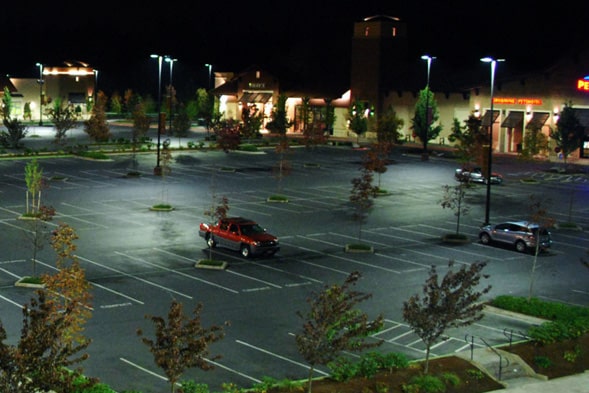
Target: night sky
{"type": "Point", "coordinates": [306, 39]}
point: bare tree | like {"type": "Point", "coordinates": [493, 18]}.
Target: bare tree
{"type": "Point", "coordinates": [538, 214]}
{"type": "Point", "coordinates": [334, 324]}
{"type": "Point", "coordinates": [453, 199]}
{"type": "Point", "coordinates": [453, 302]}
{"type": "Point", "coordinates": [362, 197]}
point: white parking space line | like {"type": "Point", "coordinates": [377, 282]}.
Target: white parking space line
{"type": "Point", "coordinates": [279, 356]}
{"type": "Point", "coordinates": [134, 277]}
{"type": "Point", "coordinates": [175, 271]}
{"type": "Point", "coordinates": [11, 301]}
{"type": "Point", "coordinates": [253, 279]}
{"type": "Point", "coordinates": [143, 369]}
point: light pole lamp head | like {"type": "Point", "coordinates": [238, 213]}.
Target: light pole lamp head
{"type": "Point", "coordinates": [490, 60]}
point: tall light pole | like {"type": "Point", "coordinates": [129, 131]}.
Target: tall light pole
{"type": "Point", "coordinates": [490, 148]}
{"type": "Point", "coordinates": [210, 67]}
{"type": "Point", "coordinates": [429, 60]}
{"type": "Point", "coordinates": [171, 61]}
{"type": "Point", "coordinates": [158, 170]}
{"type": "Point", "coordinates": [40, 92]}
{"type": "Point", "coordinates": [95, 86]}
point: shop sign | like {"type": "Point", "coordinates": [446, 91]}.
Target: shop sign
{"type": "Point", "coordinates": [583, 84]}
{"type": "Point", "coordinates": [517, 101]}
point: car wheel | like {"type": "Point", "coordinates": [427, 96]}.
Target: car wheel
{"type": "Point", "coordinates": [485, 238]}
{"type": "Point", "coordinates": [245, 250]}
{"type": "Point", "coordinates": [211, 242]}
{"type": "Point", "coordinates": [520, 246]}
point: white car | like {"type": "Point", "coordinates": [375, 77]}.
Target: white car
{"type": "Point", "coordinates": [475, 175]}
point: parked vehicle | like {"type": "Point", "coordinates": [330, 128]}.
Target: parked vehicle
{"type": "Point", "coordinates": [520, 234]}
{"type": "Point", "coordinates": [475, 175]}
{"type": "Point", "coordinates": [239, 234]}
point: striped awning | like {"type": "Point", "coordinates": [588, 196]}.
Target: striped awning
{"type": "Point", "coordinates": [514, 119]}
{"type": "Point", "coordinates": [538, 120]}
{"type": "Point", "coordinates": [486, 120]}
{"type": "Point", "coordinates": [254, 97]}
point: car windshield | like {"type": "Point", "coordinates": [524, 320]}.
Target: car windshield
{"type": "Point", "coordinates": [543, 231]}
{"type": "Point", "coordinates": [251, 229]}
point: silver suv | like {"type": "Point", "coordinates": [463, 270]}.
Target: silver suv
{"type": "Point", "coordinates": [520, 234]}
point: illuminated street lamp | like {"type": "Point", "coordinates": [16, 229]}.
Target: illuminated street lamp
{"type": "Point", "coordinates": [490, 149]}
{"type": "Point", "coordinates": [429, 60]}
{"type": "Point", "coordinates": [158, 170]}
{"type": "Point", "coordinates": [40, 81]}
{"type": "Point", "coordinates": [171, 61]}
{"type": "Point", "coordinates": [210, 66]}
{"type": "Point", "coordinates": [95, 86]}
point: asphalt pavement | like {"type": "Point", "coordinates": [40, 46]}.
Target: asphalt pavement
{"type": "Point", "coordinates": [43, 140]}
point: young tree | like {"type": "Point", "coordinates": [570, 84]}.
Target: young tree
{"type": "Point", "coordinates": [538, 214]}
{"type": "Point", "coordinates": [41, 362]}
{"type": "Point", "coordinates": [218, 211]}
{"type": "Point", "coordinates": [362, 197]}
{"type": "Point", "coordinates": [182, 343]}
{"type": "Point", "coordinates": [358, 117]}
{"type": "Point", "coordinates": [334, 324]}
{"type": "Point", "coordinates": [181, 122]}
{"type": "Point", "coordinates": [387, 128]}
{"type": "Point", "coordinates": [377, 159]}
{"type": "Point", "coordinates": [64, 118]}
{"type": "Point", "coordinates": [453, 199]}
{"type": "Point", "coordinates": [568, 133]}
{"type": "Point", "coordinates": [279, 125]}
{"type": "Point", "coordinates": [68, 289]}
{"type": "Point", "coordinates": [313, 132]}
{"type": "Point", "coordinates": [141, 125]}
{"type": "Point", "coordinates": [227, 134]}
{"type": "Point", "coordinates": [468, 140]}
{"type": "Point", "coordinates": [426, 114]}
{"type": "Point", "coordinates": [16, 131]}
{"type": "Point", "coordinates": [35, 184]}
{"type": "Point", "coordinates": [252, 120]}
{"type": "Point", "coordinates": [97, 127]}
{"type": "Point", "coordinates": [37, 233]}
{"type": "Point", "coordinates": [535, 143]}
{"type": "Point", "coordinates": [453, 302]}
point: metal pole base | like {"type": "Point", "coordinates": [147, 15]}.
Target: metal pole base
{"type": "Point", "coordinates": [157, 171]}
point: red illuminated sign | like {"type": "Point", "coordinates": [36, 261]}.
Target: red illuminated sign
{"type": "Point", "coordinates": [517, 101]}
{"type": "Point", "coordinates": [583, 84]}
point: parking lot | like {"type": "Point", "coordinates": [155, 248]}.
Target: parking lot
{"type": "Point", "coordinates": [138, 260]}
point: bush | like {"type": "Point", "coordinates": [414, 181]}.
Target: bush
{"type": "Point", "coordinates": [342, 369]}
{"type": "Point", "coordinates": [425, 384]}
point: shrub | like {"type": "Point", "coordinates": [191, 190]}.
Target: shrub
{"type": "Point", "coordinates": [369, 364]}
{"type": "Point", "coordinates": [451, 379]}
{"type": "Point", "coordinates": [475, 373]}
{"type": "Point", "coordinates": [426, 384]}
{"type": "Point", "coordinates": [193, 387]}
{"type": "Point", "coordinates": [342, 369]}
{"type": "Point", "coordinates": [571, 356]}
{"type": "Point", "coordinates": [542, 361]}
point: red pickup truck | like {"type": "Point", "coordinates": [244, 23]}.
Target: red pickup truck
{"type": "Point", "coordinates": [239, 234]}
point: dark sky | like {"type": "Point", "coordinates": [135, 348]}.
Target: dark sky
{"type": "Point", "coordinates": [306, 37]}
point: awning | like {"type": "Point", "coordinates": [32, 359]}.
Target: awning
{"type": "Point", "coordinates": [254, 97]}
{"type": "Point", "coordinates": [486, 120]}
{"type": "Point", "coordinates": [515, 119]}
{"type": "Point", "coordinates": [538, 120]}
